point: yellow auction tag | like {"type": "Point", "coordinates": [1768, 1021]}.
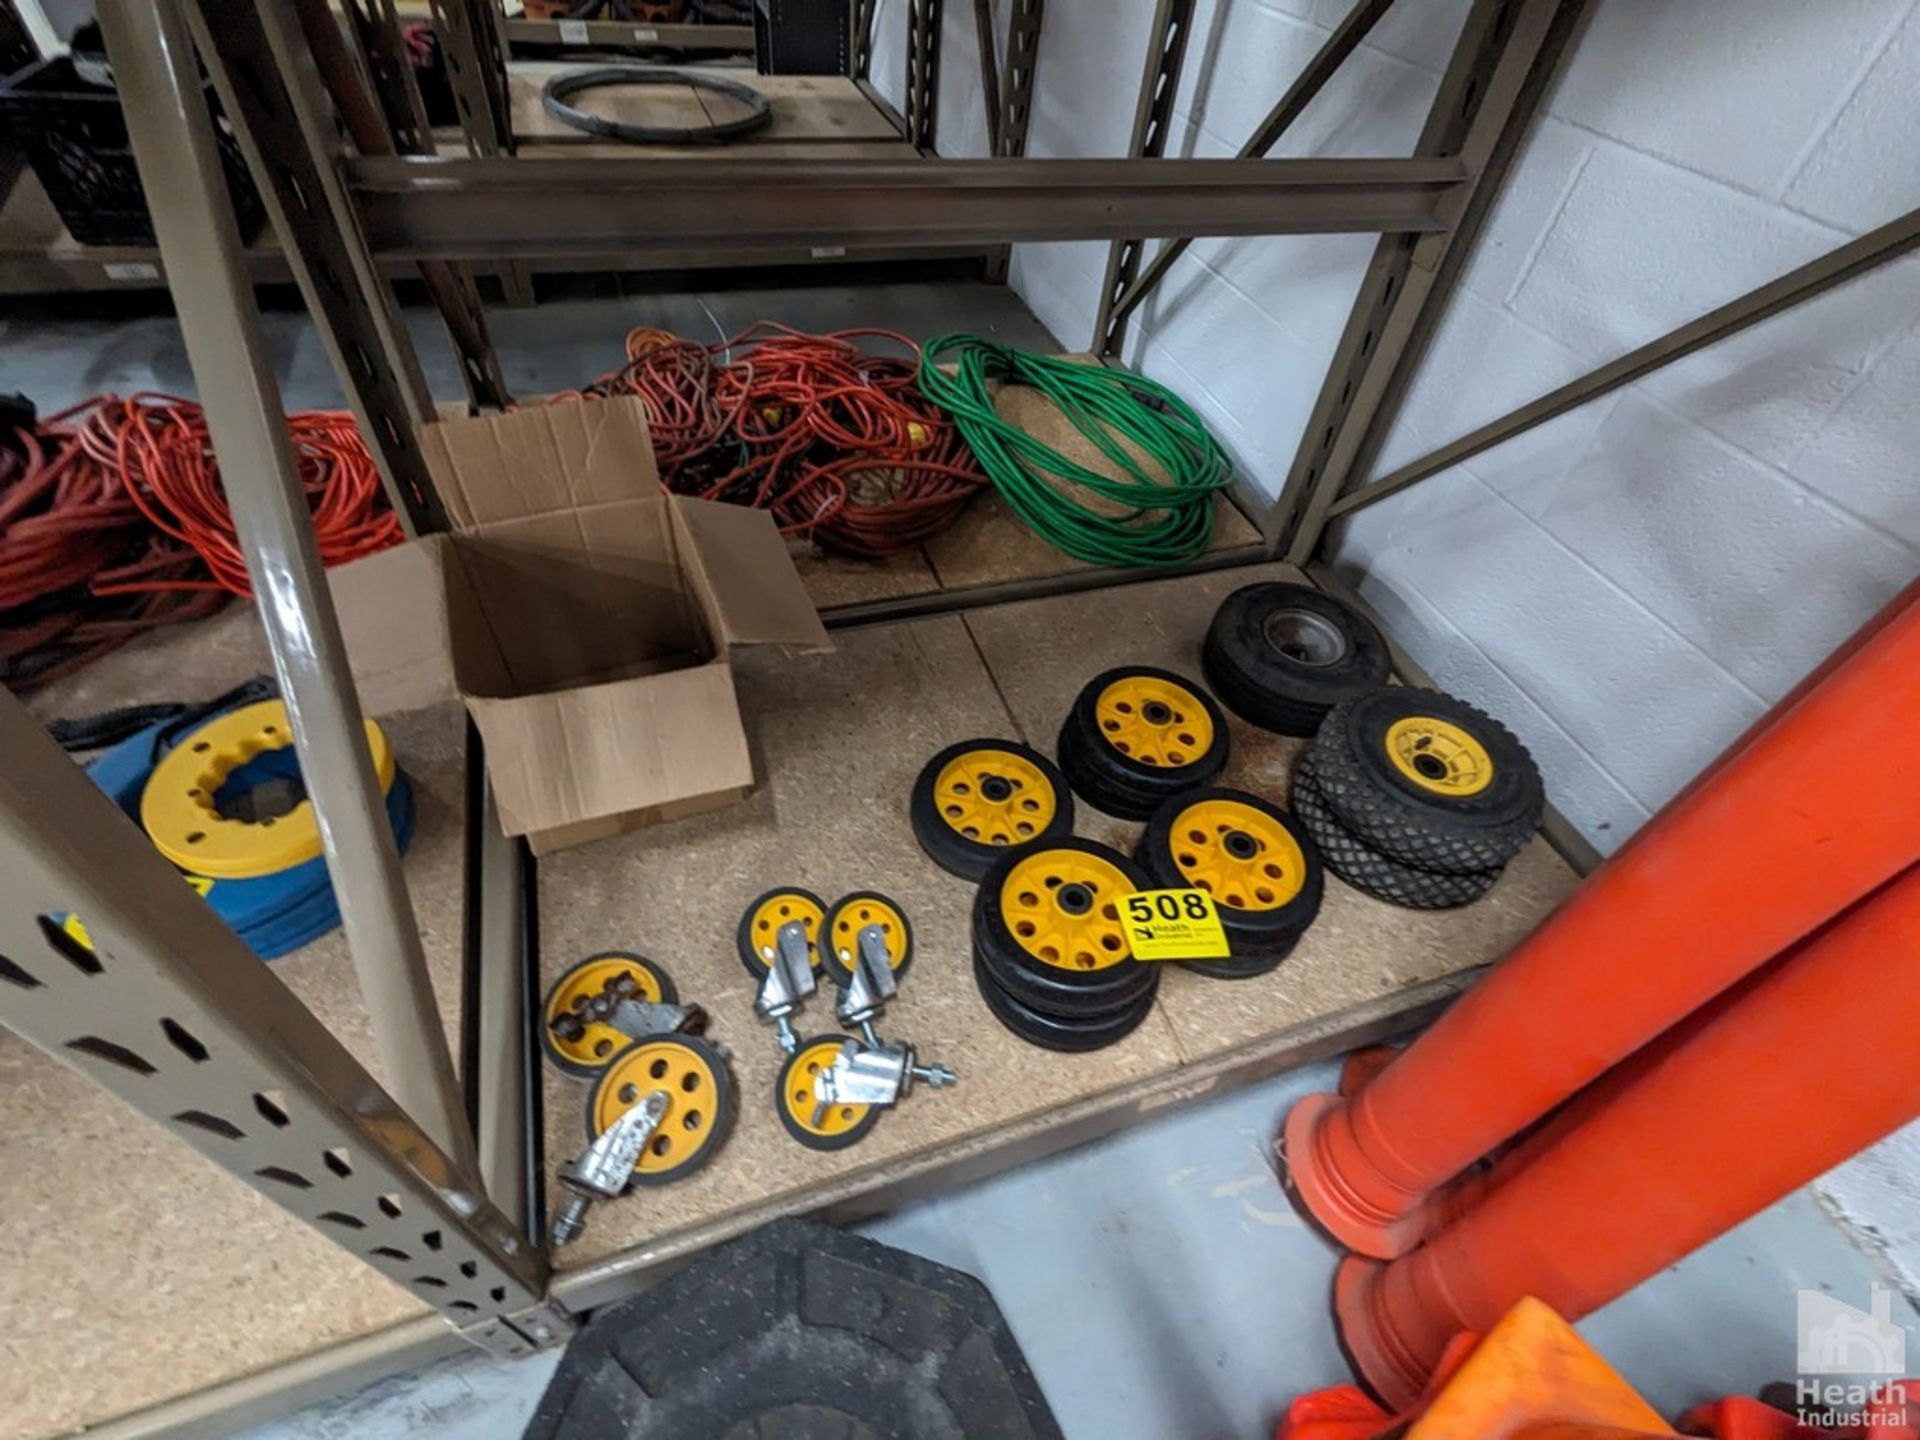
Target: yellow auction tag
{"type": "Point", "coordinates": [1174, 925]}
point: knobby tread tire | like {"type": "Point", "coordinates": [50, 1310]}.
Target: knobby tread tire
{"type": "Point", "coordinates": [1366, 869]}
{"type": "Point", "coordinates": [1417, 827]}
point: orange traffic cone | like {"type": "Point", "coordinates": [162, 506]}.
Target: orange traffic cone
{"type": "Point", "coordinates": [1820, 1058]}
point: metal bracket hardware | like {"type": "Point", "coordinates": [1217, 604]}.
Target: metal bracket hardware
{"type": "Point", "coordinates": [874, 1072]}
{"type": "Point", "coordinates": [873, 984]}
{"type": "Point", "coordinates": [637, 1019]}
{"type": "Point", "coordinates": [875, 1075]}
{"type": "Point", "coordinates": [789, 981]}
{"type": "Point", "coordinates": [509, 1337]}
{"type": "Point", "coordinates": [604, 1169]}
{"type": "Point", "coordinates": [618, 1003]}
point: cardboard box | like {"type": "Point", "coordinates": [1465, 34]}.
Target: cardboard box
{"type": "Point", "coordinates": [584, 618]}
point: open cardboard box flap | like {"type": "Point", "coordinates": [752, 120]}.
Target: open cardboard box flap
{"type": "Point", "coordinates": [584, 618]}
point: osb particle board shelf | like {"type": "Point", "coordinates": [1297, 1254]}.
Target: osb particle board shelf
{"type": "Point", "coordinates": [807, 109]}
{"type": "Point", "coordinates": [839, 741]}
{"type": "Point", "coordinates": [209, 1283]}
{"type": "Point", "coordinates": [814, 118]}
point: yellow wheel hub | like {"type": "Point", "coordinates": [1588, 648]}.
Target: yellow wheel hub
{"type": "Point", "coordinates": [853, 915]}
{"type": "Point", "coordinates": [1439, 756]}
{"type": "Point", "coordinates": [1154, 721]}
{"type": "Point", "coordinates": [780, 908]}
{"type": "Point", "coordinates": [693, 1101]}
{"type": "Point", "coordinates": [589, 978]}
{"type": "Point", "coordinates": [801, 1102]}
{"type": "Point", "coordinates": [1240, 855]}
{"type": "Point", "coordinates": [994, 797]}
{"type": "Point", "coordinates": [177, 806]}
{"type": "Point", "coordinates": [1063, 907]}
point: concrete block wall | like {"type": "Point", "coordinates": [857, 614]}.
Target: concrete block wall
{"type": "Point", "coordinates": [1629, 586]}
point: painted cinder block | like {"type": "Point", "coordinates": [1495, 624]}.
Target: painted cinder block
{"type": "Point", "coordinates": [1861, 172]}
{"type": "Point", "coordinates": [1734, 89]}
{"type": "Point", "coordinates": [1643, 701]}
{"type": "Point", "coordinates": [1771, 387]}
{"type": "Point", "coordinates": [1642, 246]}
{"type": "Point", "coordinates": [1578, 786]}
{"type": "Point", "coordinates": [1536, 187]}
{"type": "Point", "coordinates": [1422, 33]}
{"type": "Point", "coordinates": [1742, 561]}
{"type": "Point", "coordinates": [1866, 454]}
{"type": "Point", "coordinates": [1483, 362]}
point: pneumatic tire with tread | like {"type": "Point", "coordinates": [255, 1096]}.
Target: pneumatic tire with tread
{"type": "Point", "coordinates": [1365, 868]}
{"type": "Point", "coordinates": [1401, 817]}
{"type": "Point", "coordinates": [1283, 655]}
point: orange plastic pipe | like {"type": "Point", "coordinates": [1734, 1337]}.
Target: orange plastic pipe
{"type": "Point", "coordinates": [1815, 1062]}
{"type": "Point", "coordinates": [1465, 1191]}
{"type": "Point", "coordinates": [1802, 820]}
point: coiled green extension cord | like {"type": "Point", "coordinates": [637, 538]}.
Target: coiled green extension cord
{"type": "Point", "coordinates": [1165, 522]}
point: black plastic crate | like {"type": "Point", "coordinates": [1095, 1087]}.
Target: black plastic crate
{"type": "Point", "coordinates": [75, 134]}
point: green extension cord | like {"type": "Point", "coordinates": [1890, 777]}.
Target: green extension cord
{"type": "Point", "coordinates": [1165, 522]}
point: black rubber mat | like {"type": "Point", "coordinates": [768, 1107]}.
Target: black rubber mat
{"type": "Point", "coordinates": [798, 1332]}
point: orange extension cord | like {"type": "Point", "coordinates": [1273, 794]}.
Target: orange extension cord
{"type": "Point", "coordinates": [112, 521]}
{"type": "Point", "coordinates": [837, 443]}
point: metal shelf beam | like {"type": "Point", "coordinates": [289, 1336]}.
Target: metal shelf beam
{"type": "Point", "coordinates": [467, 208]}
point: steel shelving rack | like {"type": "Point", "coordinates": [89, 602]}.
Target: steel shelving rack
{"type": "Point", "coordinates": [435, 1185]}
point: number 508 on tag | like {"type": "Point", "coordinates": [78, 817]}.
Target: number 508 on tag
{"type": "Point", "coordinates": [1174, 925]}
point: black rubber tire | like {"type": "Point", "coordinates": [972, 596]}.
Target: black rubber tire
{"type": "Point", "coordinates": [1051, 988]}
{"type": "Point", "coordinates": [1078, 1009]}
{"type": "Point", "coordinates": [727, 1104]}
{"type": "Point", "coordinates": [1252, 934]}
{"type": "Point", "coordinates": [669, 995]}
{"type": "Point", "coordinates": [809, 1138]}
{"type": "Point", "coordinates": [1402, 820]}
{"type": "Point", "coordinates": [1119, 784]}
{"type": "Point", "coordinates": [1281, 689]}
{"type": "Point", "coordinates": [1240, 967]}
{"type": "Point", "coordinates": [743, 938]}
{"type": "Point", "coordinates": [1366, 869]}
{"type": "Point", "coordinates": [1050, 1032]}
{"type": "Point", "coordinates": [954, 852]}
{"type": "Point", "coordinates": [797, 1332]}
{"type": "Point", "coordinates": [830, 965]}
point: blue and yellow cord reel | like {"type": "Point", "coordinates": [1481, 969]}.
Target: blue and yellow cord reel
{"type": "Point", "coordinates": [225, 803]}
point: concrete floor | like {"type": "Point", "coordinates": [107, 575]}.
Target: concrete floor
{"type": "Point", "coordinates": [1159, 1282]}
{"type": "Point", "coordinates": [58, 358]}
{"type": "Point", "coordinates": [1162, 1287]}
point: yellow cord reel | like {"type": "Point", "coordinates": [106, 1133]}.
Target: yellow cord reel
{"type": "Point", "coordinates": [180, 806]}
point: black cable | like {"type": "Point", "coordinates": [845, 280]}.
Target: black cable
{"type": "Point", "coordinates": [564, 86]}
{"type": "Point", "coordinates": [110, 727]}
